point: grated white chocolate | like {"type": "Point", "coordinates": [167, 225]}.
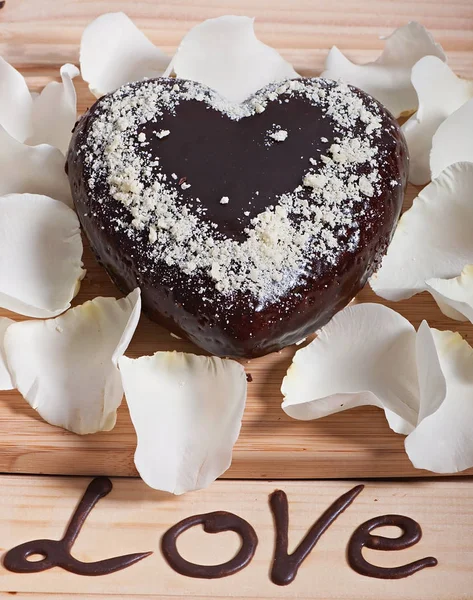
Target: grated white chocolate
{"type": "Point", "coordinates": [279, 136]}
{"type": "Point", "coordinates": [281, 240]}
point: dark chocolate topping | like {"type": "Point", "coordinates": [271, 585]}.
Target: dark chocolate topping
{"type": "Point", "coordinates": [361, 538]}
{"type": "Point", "coordinates": [214, 522]}
{"type": "Point", "coordinates": [218, 211]}
{"type": "Point", "coordinates": [2, 3]}
{"type": "Point", "coordinates": [285, 566]}
{"type": "Point", "coordinates": [57, 553]}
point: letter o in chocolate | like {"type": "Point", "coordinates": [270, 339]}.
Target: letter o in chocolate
{"type": "Point", "coordinates": [214, 522]}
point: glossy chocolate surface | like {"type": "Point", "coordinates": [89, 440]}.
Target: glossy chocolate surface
{"type": "Point", "coordinates": [222, 157]}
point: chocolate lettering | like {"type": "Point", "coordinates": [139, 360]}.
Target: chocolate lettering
{"type": "Point", "coordinates": [285, 566]}
{"type": "Point", "coordinates": [214, 522]}
{"type": "Point", "coordinates": [57, 553]}
{"type": "Point", "coordinates": [362, 537]}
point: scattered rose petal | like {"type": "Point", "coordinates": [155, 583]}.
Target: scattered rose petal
{"type": "Point", "coordinates": [187, 413]}
{"type": "Point", "coordinates": [442, 441]}
{"type": "Point", "coordinates": [388, 78]}
{"type": "Point", "coordinates": [432, 384]}
{"type": "Point", "coordinates": [40, 255]}
{"type": "Point", "coordinates": [114, 51]}
{"type": "Point", "coordinates": [453, 141]}
{"type": "Point", "coordinates": [226, 55]}
{"type": "Point", "coordinates": [350, 364]}
{"type": "Point", "coordinates": [440, 93]}
{"type": "Point", "coordinates": [31, 118]}
{"type": "Point", "coordinates": [433, 239]}
{"type": "Point", "coordinates": [15, 103]}
{"type": "Point", "coordinates": [54, 111]}
{"type": "Point", "coordinates": [370, 355]}
{"type": "Point", "coordinates": [66, 368]}
{"type": "Point", "coordinates": [454, 296]}
{"type": "Point", "coordinates": [32, 169]}
{"type": "Point", "coordinates": [5, 378]}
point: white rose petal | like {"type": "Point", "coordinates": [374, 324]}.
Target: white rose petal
{"type": "Point", "coordinates": [368, 354]}
{"type": "Point", "coordinates": [388, 78]}
{"type": "Point", "coordinates": [54, 111]}
{"type": "Point", "coordinates": [433, 239]}
{"type": "Point", "coordinates": [5, 378]}
{"type": "Point", "coordinates": [32, 118]}
{"type": "Point", "coordinates": [442, 441]}
{"type": "Point", "coordinates": [40, 255]}
{"type": "Point", "coordinates": [187, 413]}
{"type": "Point", "coordinates": [114, 51]}
{"type": "Point", "coordinates": [32, 169]}
{"type": "Point", "coordinates": [454, 296]}
{"type": "Point", "coordinates": [453, 140]}
{"type": "Point", "coordinates": [350, 364]}
{"type": "Point", "coordinates": [226, 55]}
{"type": "Point", "coordinates": [16, 103]}
{"type": "Point", "coordinates": [66, 368]}
{"type": "Point", "coordinates": [440, 93]}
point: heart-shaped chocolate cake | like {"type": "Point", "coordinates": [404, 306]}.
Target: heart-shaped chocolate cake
{"type": "Point", "coordinates": [246, 226]}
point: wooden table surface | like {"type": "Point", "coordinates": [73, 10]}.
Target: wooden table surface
{"type": "Point", "coordinates": [132, 518]}
{"type": "Point", "coordinates": [38, 36]}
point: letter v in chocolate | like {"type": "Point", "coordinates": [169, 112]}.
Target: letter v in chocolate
{"type": "Point", "coordinates": [285, 566]}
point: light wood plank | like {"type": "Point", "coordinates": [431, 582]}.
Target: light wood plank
{"type": "Point", "coordinates": [46, 31]}
{"type": "Point", "coordinates": [132, 518]}
{"type": "Point", "coordinates": [38, 36]}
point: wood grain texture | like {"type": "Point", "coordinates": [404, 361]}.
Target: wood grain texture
{"type": "Point", "coordinates": [38, 36]}
{"type": "Point", "coordinates": [132, 518]}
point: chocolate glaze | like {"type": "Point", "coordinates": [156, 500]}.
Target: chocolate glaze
{"type": "Point", "coordinates": [285, 566]}
{"type": "Point", "coordinates": [2, 3]}
{"type": "Point", "coordinates": [214, 522]}
{"type": "Point", "coordinates": [223, 157]}
{"type": "Point", "coordinates": [361, 538]}
{"type": "Point", "coordinates": [57, 553]}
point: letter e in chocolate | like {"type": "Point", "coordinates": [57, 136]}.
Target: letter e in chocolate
{"type": "Point", "coordinates": [362, 537]}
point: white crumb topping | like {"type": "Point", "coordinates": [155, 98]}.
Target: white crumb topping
{"type": "Point", "coordinates": [365, 186]}
{"type": "Point", "coordinates": [307, 223]}
{"type": "Point", "coordinates": [279, 136]}
{"type": "Point", "coordinates": [314, 180]}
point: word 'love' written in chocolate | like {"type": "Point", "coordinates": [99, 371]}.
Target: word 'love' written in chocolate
{"type": "Point", "coordinates": [57, 553]}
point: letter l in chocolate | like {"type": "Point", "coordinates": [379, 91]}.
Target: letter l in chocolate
{"type": "Point", "coordinates": [57, 553]}
{"type": "Point", "coordinates": [285, 566]}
